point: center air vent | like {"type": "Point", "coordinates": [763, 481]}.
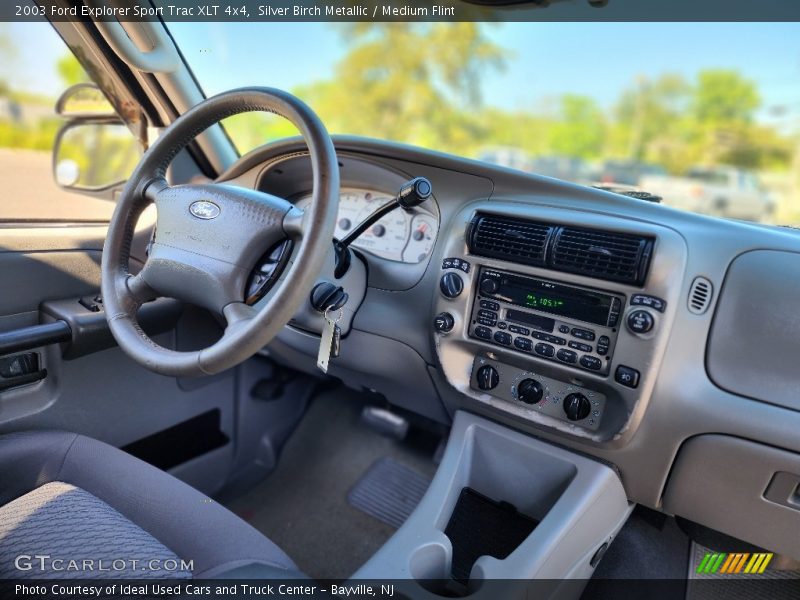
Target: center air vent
{"type": "Point", "coordinates": [605, 255]}
{"type": "Point", "coordinates": [602, 254]}
{"type": "Point", "coordinates": [516, 240]}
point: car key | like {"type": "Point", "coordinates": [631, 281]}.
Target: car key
{"type": "Point", "coordinates": [329, 341]}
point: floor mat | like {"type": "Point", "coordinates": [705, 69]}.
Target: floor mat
{"type": "Point", "coordinates": [389, 491]}
{"type": "Point", "coordinates": [302, 506]}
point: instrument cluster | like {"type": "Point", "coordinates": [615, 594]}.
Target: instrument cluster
{"type": "Point", "coordinates": [399, 236]}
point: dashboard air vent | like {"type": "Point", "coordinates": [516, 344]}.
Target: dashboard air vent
{"type": "Point", "coordinates": [700, 295]}
{"type": "Point", "coordinates": [508, 238]}
{"type": "Point", "coordinates": [603, 254]}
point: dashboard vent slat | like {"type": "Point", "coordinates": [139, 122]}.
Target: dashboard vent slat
{"type": "Point", "coordinates": [621, 257]}
{"type": "Point", "coordinates": [602, 254]}
{"type": "Point", "coordinates": [700, 295]}
{"type": "Point", "coordinates": [508, 238]}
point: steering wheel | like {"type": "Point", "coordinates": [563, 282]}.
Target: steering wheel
{"type": "Point", "coordinates": [208, 238]}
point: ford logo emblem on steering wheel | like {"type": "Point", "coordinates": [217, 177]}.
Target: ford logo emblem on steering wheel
{"type": "Point", "coordinates": [204, 209]}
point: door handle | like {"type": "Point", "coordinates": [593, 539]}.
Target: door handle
{"type": "Point", "coordinates": [6, 383]}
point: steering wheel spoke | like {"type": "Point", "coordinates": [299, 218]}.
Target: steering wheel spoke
{"type": "Point", "coordinates": [238, 315]}
{"type": "Point", "coordinates": [139, 290]}
{"type": "Point", "coordinates": [295, 223]}
{"type": "Point", "coordinates": [154, 189]}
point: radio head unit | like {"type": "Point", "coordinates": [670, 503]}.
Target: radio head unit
{"type": "Point", "coordinates": [568, 324]}
{"type": "Point", "coordinates": [547, 296]}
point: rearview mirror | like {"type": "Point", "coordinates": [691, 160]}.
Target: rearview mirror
{"type": "Point", "coordinates": [90, 156]}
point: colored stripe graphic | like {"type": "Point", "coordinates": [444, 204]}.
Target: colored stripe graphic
{"type": "Point", "coordinates": [734, 563]}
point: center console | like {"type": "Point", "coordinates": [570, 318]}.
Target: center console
{"type": "Point", "coordinates": [555, 317]}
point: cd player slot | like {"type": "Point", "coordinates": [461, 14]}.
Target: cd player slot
{"type": "Point", "coordinates": [537, 321]}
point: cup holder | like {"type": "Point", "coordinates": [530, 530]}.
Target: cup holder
{"type": "Point", "coordinates": [430, 567]}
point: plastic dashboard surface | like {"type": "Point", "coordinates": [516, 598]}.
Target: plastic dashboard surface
{"type": "Point", "coordinates": [642, 430]}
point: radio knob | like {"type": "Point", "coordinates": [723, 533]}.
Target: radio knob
{"type": "Point", "coordinates": [577, 407]}
{"type": "Point", "coordinates": [487, 377]}
{"type": "Point", "coordinates": [530, 391]}
{"type": "Point", "coordinates": [640, 321]}
{"type": "Point", "coordinates": [451, 285]}
{"type": "Point", "coordinates": [489, 286]}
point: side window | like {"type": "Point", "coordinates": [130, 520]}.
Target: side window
{"type": "Point", "coordinates": [48, 162]}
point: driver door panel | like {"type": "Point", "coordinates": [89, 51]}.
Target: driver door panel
{"type": "Point", "coordinates": [102, 394]}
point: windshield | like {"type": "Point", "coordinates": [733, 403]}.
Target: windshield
{"type": "Point", "coordinates": [644, 105]}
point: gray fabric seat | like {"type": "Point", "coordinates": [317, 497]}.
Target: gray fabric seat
{"type": "Point", "coordinates": [75, 499]}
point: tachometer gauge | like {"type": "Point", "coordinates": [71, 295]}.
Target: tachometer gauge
{"type": "Point", "coordinates": [349, 211]}
{"type": "Point", "coordinates": [421, 238]}
{"type": "Point", "coordinates": [387, 237]}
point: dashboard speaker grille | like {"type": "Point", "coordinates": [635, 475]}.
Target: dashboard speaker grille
{"type": "Point", "coordinates": [516, 240]}
{"type": "Point", "coordinates": [700, 295]}
{"type": "Point", "coordinates": [602, 254]}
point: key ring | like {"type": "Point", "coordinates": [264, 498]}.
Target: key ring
{"type": "Point", "coordinates": [338, 318]}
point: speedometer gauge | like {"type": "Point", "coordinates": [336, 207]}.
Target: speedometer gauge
{"type": "Point", "coordinates": [398, 236]}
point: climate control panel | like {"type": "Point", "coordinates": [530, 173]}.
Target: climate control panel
{"type": "Point", "coordinates": [534, 392]}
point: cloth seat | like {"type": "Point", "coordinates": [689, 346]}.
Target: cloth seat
{"type": "Point", "coordinates": [96, 512]}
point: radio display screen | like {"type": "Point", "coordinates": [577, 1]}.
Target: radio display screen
{"type": "Point", "coordinates": [553, 298]}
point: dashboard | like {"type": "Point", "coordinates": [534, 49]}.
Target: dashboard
{"type": "Point", "coordinates": [622, 329]}
{"type": "Point", "coordinates": [399, 236]}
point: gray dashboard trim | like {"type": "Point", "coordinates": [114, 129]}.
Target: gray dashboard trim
{"type": "Point", "coordinates": [683, 400]}
{"type": "Point", "coordinates": [754, 345]}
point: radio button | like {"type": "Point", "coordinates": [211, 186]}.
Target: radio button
{"type": "Point", "coordinates": [544, 350]}
{"type": "Point", "coordinates": [567, 356]}
{"type": "Point", "coordinates": [489, 305]}
{"type": "Point", "coordinates": [649, 301]}
{"type": "Point", "coordinates": [640, 321]}
{"type": "Point", "coordinates": [546, 337]}
{"type": "Point", "coordinates": [523, 344]}
{"type": "Point", "coordinates": [483, 333]}
{"type": "Point", "coordinates": [591, 362]}
{"type": "Point", "coordinates": [501, 337]}
{"type": "Point", "coordinates": [580, 346]}
{"type": "Point", "coordinates": [519, 330]}
{"type": "Point", "coordinates": [487, 314]}
{"type": "Point", "coordinates": [613, 315]}
{"type": "Point", "coordinates": [487, 322]}
{"type": "Point", "coordinates": [563, 328]}
{"type": "Point", "coordinates": [583, 334]}
{"type": "Point", "coordinates": [502, 324]}
{"type": "Point", "coordinates": [603, 344]}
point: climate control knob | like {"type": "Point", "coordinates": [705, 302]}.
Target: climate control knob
{"type": "Point", "coordinates": [577, 407]}
{"type": "Point", "coordinates": [530, 391]}
{"type": "Point", "coordinates": [489, 286]}
{"type": "Point", "coordinates": [451, 285]}
{"type": "Point", "coordinates": [487, 377]}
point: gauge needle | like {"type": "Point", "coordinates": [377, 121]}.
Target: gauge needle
{"type": "Point", "coordinates": [420, 232]}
